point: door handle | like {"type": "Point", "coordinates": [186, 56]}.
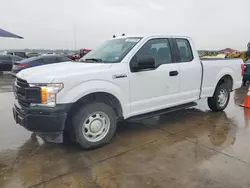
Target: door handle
{"type": "Point", "coordinates": [173, 73]}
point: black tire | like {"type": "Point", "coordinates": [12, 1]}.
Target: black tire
{"type": "Point", "coordinates": [83, 114]}
{"type": "Point", "coordinates": [213, 102]}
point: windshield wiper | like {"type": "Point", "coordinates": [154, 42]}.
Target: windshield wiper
{"type": "Point", "coordinates": [94, 59]}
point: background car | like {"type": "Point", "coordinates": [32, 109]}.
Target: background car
{"type": "Point", "coordinates": [246, 73]}
{"type": "Point", "coordinates": [15, 53]}
{"type": "Point", "coordinates": [79, 55]}
{"type": "Point", "coordinates": [37, 61]}
{"type": "Point", "coordinates": [6, 62]}
{"type": "Point", "coordinates": [50, 53]}
{"type": "Point", "coordinates": [32, 54]}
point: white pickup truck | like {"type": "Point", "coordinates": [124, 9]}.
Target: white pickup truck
{"type": "Point", "coordinates": [126, 78]}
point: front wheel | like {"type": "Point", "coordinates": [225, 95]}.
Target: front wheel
{"type": "Point", "coordinates": [220, 99]}
{"type": "Point", "coordinates": [94, 125]}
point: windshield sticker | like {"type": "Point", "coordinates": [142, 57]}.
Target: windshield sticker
{"type": "Point", "coordinates": [116, 58]}
{"type": "Point", "coordinates": [132, 40]}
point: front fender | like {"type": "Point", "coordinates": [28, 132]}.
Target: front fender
{"type": "Point", "coordinates": [71, 95]}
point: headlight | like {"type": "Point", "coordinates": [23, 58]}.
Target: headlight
{"type": "Point", "coordinates": [48, 93]}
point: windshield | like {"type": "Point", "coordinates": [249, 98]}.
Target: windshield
{"type": "Point", "coordinates": [112, 51]}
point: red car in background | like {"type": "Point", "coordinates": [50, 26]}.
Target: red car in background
{"type": "Point", "coordinates": [79, 55]}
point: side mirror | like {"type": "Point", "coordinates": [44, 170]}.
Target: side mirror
{"type": "Point", "coordinates": [145, 62]}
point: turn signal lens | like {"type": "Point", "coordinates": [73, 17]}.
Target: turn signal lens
{"type": "Point", "coordinates": [48, 93]}
{"type": "Point", "coordinates": [44, 95]}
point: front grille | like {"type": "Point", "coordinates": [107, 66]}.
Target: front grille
{"type": "Point", "coordinates": [23, 103]}
{"type": "Point", "coordinates": [20, 89]}
{"type": "Point", "coordinates": [22, 83]}
{"type": "Point", "coordinates": [25, 94]}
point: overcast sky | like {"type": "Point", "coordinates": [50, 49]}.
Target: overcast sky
{"type": "Point", "coordinates": [213, 24]}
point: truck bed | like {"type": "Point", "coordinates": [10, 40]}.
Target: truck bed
{"type": "Point", "coordinates": [219, 68]}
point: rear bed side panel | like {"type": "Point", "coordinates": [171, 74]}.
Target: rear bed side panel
{"type": "Point", "coordinates": [238, 76]}
{"type": "Point", "coordinates": [235, 64]}
{"type": "Point", "coordinates": [214, 70]}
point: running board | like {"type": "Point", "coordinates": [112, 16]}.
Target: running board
{"type": "Point", "coordinates": [161, 112]}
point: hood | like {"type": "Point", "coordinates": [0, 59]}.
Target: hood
{"type": "Point", "coordinates": [47, 73]}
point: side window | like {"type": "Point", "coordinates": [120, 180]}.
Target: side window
{"type": "Point", "coordinates": [49, 60]}
{"type": "Point", "coordinates": [185, 50]}
{"type": "Point", "coordinates": [159, 49]}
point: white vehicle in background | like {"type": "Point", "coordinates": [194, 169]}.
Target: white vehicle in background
{"type": "Point", "coordinates": [127, 78]}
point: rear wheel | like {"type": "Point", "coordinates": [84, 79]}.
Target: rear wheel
{"type": "Point", "coordinates": [220, 99]}
{"type": "Point", "coordinates": [94, 125]}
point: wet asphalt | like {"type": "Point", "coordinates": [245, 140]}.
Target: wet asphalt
{"type": "Point", "coordinates": [193, 148]}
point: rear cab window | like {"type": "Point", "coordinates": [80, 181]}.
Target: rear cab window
{"type": "Point", "coordinates": [184, 50]}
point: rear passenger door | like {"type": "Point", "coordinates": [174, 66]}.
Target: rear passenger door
{"type": "Point", "coordinates": [190, 70]}
{"type": "Point", "coordinates": [155, 89]}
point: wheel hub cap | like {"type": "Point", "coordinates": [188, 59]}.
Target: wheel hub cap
{"type": "Point", "coordinates": [95, 126]}
{"type": "Point", "coordinates": [222, 98]}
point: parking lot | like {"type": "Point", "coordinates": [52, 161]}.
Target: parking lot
{"type": "Point", "coordinates": [189, 148]}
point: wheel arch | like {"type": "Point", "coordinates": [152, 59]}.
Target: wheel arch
{"type": "Point", "coordinates": [225, 79]}
{"type": "Point", "coordinates": [104, 97]}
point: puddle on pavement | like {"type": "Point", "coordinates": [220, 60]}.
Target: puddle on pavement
{"type": "Point", "coordinates": [162, 145]}
{"type": "Point", "coordinates": [6, 81]}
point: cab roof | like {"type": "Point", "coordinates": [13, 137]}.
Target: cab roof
{"type": "Point", "coordinates": [153, 36]}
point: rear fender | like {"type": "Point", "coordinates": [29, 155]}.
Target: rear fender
{"type": "Point", "coordinates": [225, 71]}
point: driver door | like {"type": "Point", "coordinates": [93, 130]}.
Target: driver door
{"type": "Point", "coordinates": [157, 88]}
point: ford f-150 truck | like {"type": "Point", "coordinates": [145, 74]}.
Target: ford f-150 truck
{"type": "Point", "coordinates": [126, 78]}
